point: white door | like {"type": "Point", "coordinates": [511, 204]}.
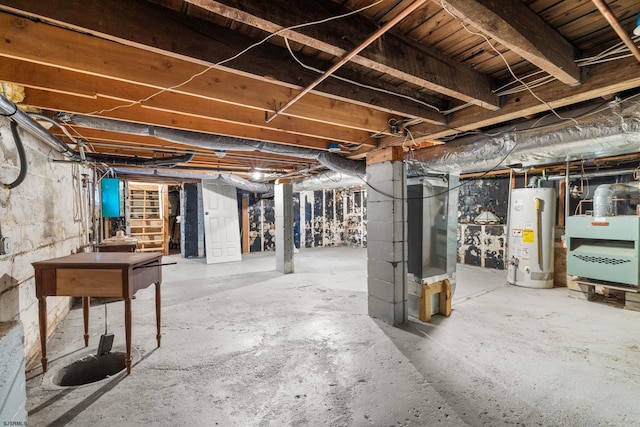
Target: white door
{"type": "Point", "coordinates": [221, 224]}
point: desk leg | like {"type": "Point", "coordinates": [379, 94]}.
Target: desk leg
{"type": "Point", "coordinates": [158, 336]}
{"type": "Point", "coordinates": [127, 331]}
{"type": "Point", "coordinates": [42, 319]}
{"type": "Point", "coordinates": [85, 314]}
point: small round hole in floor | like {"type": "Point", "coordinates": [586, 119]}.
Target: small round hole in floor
{"type": "Point", "coordinates": [90, 369]}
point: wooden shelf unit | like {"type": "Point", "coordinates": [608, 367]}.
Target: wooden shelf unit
{"type": "Point", "coordinates": [146, 218]}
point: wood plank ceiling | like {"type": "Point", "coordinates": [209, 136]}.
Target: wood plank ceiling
{"type": "Point", "coordinates": [227, 68]}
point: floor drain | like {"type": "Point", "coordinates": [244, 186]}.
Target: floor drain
{"type": "Point", "coordinates": [90, 369]}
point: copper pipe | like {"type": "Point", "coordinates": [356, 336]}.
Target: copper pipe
{"type": "Point", "coordinates": [348, 56]}
{"type": "Point", "coordinates": [613, 21]}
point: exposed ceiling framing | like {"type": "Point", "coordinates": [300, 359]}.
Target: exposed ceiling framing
{"type": "Point", "coordinates": [225, 67]}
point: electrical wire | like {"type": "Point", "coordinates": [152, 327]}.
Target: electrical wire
{"type": "Point", "coordinates": [22, 156]}
{"type": "Point", "coordinates": [355, 83]}
{"type": "Point", "coordinates": [462, 184]}
{"type": "Point", "coordinates": [242, 52]}
{"type": "Point", "coordinates": [507, 64]}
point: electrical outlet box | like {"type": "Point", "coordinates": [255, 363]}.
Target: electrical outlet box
{"type": "Point", "coordinates": [5, 246]}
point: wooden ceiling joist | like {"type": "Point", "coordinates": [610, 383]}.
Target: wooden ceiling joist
{"type": "Point", "coordinates": [392, 55]}
{"type": "Point", "coordinates": [48, 45]}
{"type": "Point", "coordinates": [517, 27]}
{"type": "Point", "coordinates": [60, 102]}
{"type": "Point", "coordinates": [206, 44]}
{"type": "Point", "coordinates": [603, 79]}
{"type": "Point", "coordinates": [70, 82]}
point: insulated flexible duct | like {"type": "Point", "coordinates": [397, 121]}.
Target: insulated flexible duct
{"type": "Point", "coordinates": [27, 123]}
{"type": "Point", "coordinates": [233, 180]}
{"type": "Point", "coordinates": [611, 131]}
{"type": "Point", "coordinates": [332, 161]}
{"type": "Point", "coordinates": [135, 161]}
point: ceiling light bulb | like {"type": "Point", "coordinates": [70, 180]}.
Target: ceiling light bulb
{"type": "Point", "coordinates": [256, 175]}
{"type": "Point", "coordinates": [221, 153]}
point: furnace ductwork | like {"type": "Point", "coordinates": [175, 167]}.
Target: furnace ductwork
{"type": "Point", "coordinates": [28, 124]}
{"type": "Point", "coordinates": [610, 132]}
{"type": "Point", "coordinates": [331, 161]}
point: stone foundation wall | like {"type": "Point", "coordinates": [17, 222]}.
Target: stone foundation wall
{"type": "Point", "coordinates": [43, 217]}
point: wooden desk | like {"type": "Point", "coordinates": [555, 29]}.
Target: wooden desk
{"type": "Point", "coordinates": [97, 274]}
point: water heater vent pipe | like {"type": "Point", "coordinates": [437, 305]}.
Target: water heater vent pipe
{"type": "Point", "coordinates": [605, 193]}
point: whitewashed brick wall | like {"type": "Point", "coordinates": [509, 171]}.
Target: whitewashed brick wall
{"type": "Point", "coordinates": [38, 216]}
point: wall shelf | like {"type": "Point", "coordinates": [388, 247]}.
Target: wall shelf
{"type": "Point", "coordinates": [146, 219]}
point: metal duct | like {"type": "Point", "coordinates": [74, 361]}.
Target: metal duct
{"type": "Point", "coordinates": [328, 180]}
{"type": "Point", "coordinates": [603, 197]}
{"type": "Point", "coordinates": [337, 163]}
{"type": "Point", "coordinates": [243, 184]}
{"type": "Point", "coordinates": [135, 161]}
{"type": "Point", "coordinates": [28, 124]}
{"type": "Point", "coordinates": [330, 160]}
{"type": "Point", "coordinates": [11, 110]}
{"type": "Point", "coordinates": [233, 180]}
{"type": "Point", "coordinates": [614, 131]}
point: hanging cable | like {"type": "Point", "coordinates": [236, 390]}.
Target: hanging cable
{"type": "Point", "coordinates": [507, 64]}
{"type": "Point", "coordinates": [242, 52]}
{"type": "Point", "coordinates": [22, 155]}
{"type": "Point", "coordinates": [353, 82]}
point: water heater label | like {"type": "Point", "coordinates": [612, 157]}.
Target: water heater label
{"type": "Point", "coordinates": [522, 253]}
{"type": "Point", "coordinates": [527, 236]}
{"type": "Point", "coordinates": [516, 232]}
{"type": "Point", "coordinates": [518, 204]}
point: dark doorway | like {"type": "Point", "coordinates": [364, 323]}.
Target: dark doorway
{"type": "Point", "coordinates": [190, 218]}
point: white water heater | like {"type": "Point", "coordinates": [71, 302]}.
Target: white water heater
{"type": "Point", "coordinates": [530, 243]}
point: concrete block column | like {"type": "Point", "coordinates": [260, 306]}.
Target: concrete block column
{"type": "Point", "coordinates": [283, 197]}
{"type": "Point", "coordinates": [387, 236]}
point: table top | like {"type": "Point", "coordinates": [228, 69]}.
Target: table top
{"type": "Point", "coordinates": [100, 260]}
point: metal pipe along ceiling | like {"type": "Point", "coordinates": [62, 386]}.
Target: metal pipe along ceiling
{"type": "Point", "coordinates": [28, 124]}
{"type": "Point", "coordinates": [332, 161]}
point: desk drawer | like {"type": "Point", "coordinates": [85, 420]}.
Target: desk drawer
{"type": "Point", "coordinates": [94, 282]}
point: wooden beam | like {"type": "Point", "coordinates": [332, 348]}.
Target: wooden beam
{"type": "Point", "coordinates": [73, 83]}
{"type": "Point", "coordinates": [391, 55]}
{"type": "Point", "coordinates": [517, 27]}
{"type": "Point", "coordinates": [602, 80]}
{"type": "Point", "coordinates": [44, 44]}
{"type": "Point", "coordinates": [205, 43]}
{"type": "Point", "coordinates": [70, 104]}
{"type": "Point", "coordinates": [389, 154]}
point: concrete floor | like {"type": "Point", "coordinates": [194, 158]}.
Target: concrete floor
{"type": "Point", "coordinates": [246, 346]}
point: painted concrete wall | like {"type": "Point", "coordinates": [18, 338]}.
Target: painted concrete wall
{"type": "Point", "coordinates": [42, 217]}
{"type": "Point", "coordinates": [483, 245]}
{"type": "Point", "coordinates": [321, 218]}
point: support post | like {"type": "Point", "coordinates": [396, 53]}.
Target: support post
{"type": "Point", "coordinates": [387, 235]}
{"type": "Point", "coordinates": [245, 223]}
{"type": "Point", "coordinates": [283, 195]}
